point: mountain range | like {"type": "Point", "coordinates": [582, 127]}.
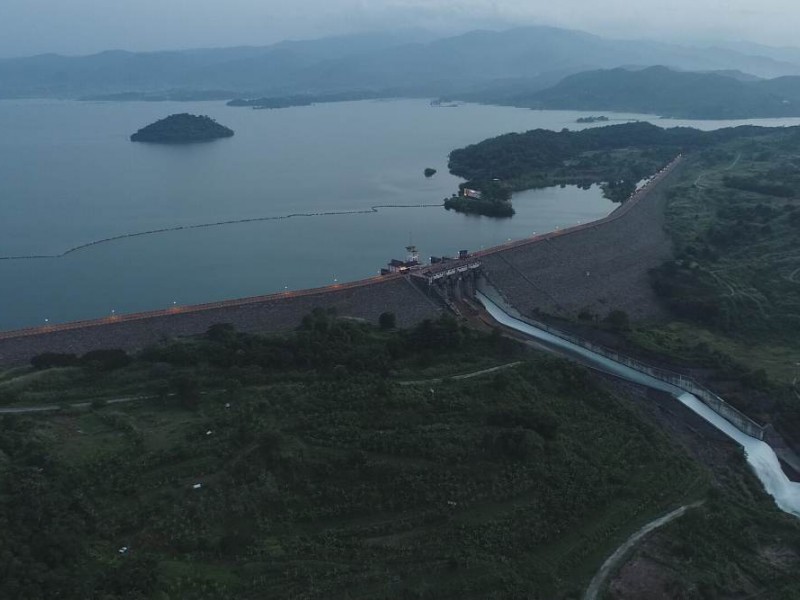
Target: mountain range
{"type": "Point", "coordinates": [405, 63]}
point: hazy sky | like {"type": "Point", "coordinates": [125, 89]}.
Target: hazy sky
{"type": "Point", "coordinates": [83, 26]}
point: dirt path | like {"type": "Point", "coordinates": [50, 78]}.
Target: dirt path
{"type": "Point", "coordinates": [613, 561]}
{"type": "Point", "coordinates": [19, 410]}
{"type": "Point", "coordinates": [728, 168]}
{"type": "Point", "coordinates": [464, 376]}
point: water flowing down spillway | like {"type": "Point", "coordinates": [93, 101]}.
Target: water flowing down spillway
{"type": "Point", "coordinates": [760, 456]}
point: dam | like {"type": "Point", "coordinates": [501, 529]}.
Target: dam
{"type": "Point", "coordinates": [603, 263]}
{"type": "Point", "coordinates": [549, 258]}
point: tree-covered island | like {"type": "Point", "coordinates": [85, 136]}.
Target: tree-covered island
{"type": "Point", "coordinates": [487, 198]}
{"type": "Point", "coordinates": [593, 119]}
{"type": "Point", "coordinates": [182, 129]}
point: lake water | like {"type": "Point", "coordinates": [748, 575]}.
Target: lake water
{"type": "Point", "coordinates": [69, 176]}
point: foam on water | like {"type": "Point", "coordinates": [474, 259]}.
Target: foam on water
{"type": "Point", "coordinates": [760, 456]}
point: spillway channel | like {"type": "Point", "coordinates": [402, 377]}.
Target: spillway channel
{"type": "Point", "coordinates": [760, 456]}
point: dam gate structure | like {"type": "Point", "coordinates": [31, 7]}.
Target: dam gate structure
{"type": "Point", "coordinates": [451, 281]}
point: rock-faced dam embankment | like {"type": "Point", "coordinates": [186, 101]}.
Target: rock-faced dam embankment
{"type": "Point", "coordinates": [599, 267]}
{"type": "Point", "coordinates": [268, 314]}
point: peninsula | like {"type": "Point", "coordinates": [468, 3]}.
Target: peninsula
{"type": "Point", "coordinates": [616, 157]}
{"type": "Point", "coordinates": [182, 129]}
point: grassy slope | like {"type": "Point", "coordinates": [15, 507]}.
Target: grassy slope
{"type": "Point", "coordinates": [325, 483]}
{"type": "Point", "coordinates": [739, 249]}
{"type": "Point", "coordinates": [735, 283]}
{"type": "Point", "coordinates": [737, 545]}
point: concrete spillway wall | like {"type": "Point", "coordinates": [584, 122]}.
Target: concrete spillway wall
{"type": "Point", "coordinates": [266, 314]}
{"type": "Point", "coordinates": [677, 380]}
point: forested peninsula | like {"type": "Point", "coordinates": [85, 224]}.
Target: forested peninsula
{"type": "Point", "coordinates": [617, 157]}
{"type": "Point", "coordinates": [182, 129]}
{"type": "Point", "coordinates": [275, 102]}
{"type": "Point", "coordinates": [661, 91]}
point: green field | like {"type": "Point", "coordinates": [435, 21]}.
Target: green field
{"type": "Point", "coordinates": [322, 477]}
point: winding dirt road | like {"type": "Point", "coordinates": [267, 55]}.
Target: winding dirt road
{"type": "Point", "coordinates": [613, 561]}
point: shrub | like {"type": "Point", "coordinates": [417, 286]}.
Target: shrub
{"type": "Point", "coordinates": [221, 332]}
{"type": "Point", "coordinates": [106, 360]}
{"type": "Point", "coordinates": [98, 403]}
{"type": "Point", "coordinates": [387, 320]}
{"type": "Point", "coordinates": [49, 360]}
{"type": "Point", "coordinates": [618, 320]}
{"type": "Point", "coordinates": [187, 389]}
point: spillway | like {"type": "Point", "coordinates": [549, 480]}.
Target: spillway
{"type": "Point", "coordinates": [760, 456]}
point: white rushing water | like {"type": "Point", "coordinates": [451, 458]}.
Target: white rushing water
{"type": "Point", "coordinates": [760, 456]}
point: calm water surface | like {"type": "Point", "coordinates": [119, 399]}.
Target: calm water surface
{"type": "Point", "coordinates": [69, 176]}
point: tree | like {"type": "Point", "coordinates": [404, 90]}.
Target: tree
{"type": "Point", "coordinates": [48, 360]}
{"type": "Point", "coordinates": [187, 389]}
{"type": "Point", "coordinates": [618, 320]}
{"type": "Point", "coordinates": [106, 360]}
{"type": "Point", "coordinates": [387, 320]}
{"type": "Point", "coordinates": [221, 332]}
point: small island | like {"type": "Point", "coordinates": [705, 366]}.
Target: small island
{"type": "Point", "coordinates": [600, 119]}
{"type": "Point", "coordinates": [487, 198]}
{"type": "Point", "coordinates": [182, 129]}
{"type": "Point", "coordinates": [429, 172]}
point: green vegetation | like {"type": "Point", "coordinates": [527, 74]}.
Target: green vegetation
{"type": "Point", "coordinates": [737, 545]}
{"type": "Point", "coordinates": [733, 287]}
{"type": "Point", "coordinates": [182, 128]}
{"type": "Point", "coordinates": [479, 206]}
{"type": "Point", "coordinates": [617, 156]}
{"type": "Point", "coordinates": [736, 232]}
{"type": "Point", "coordinates": [320, 477]}
{"type": "Point", "coordinates": [662, 91]}
{"type": "Point", "coordinates": [429, 172]}
{"type": "Point", "coordinates": [305, 99]}
{"type": "Point", "coordinates": [387, 320]}
{"type": "Point", "coordinates": [600, 119]}
{"type": "Point", "coordinates": [494, 200]}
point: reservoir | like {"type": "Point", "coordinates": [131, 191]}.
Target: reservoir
{"type": "Point", "coordinates": [69, 176]}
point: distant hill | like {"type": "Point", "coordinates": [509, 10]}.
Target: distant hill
{"type": "Point", "coordinates": [182, 129]}
{"type": "Point", "coordinates": [400, 64]}
{"type": "Point", "coordinates": [662, 91]}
